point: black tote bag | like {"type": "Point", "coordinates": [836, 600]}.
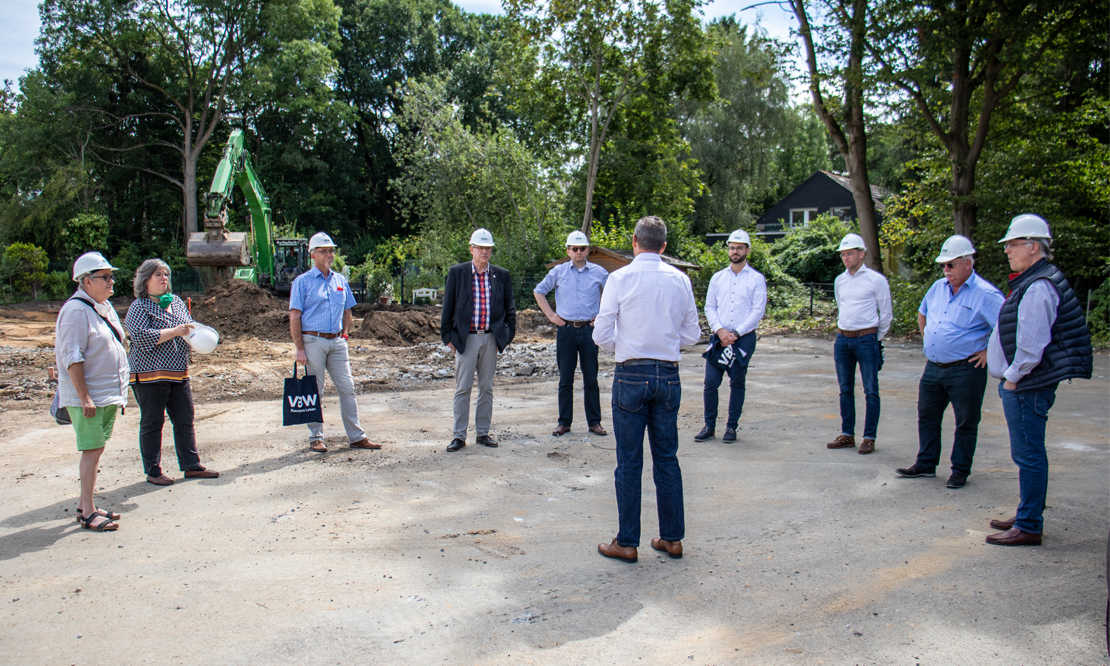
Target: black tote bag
{"type": "Point", "coordinates": [302, 400]}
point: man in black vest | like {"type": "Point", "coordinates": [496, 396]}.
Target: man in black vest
{"type": "Point", "coordinates": [1041, 339]}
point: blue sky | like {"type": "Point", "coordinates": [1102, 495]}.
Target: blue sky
{"type": "Point", "coordinates": [20, 19]}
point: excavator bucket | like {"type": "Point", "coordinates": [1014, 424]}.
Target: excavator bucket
{"type": "Point", "coordinates": [217, 246]}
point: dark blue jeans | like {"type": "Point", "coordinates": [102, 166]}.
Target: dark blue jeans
{"type": "Point", "coordinates": [737, 375]}
{"type": "Point", "coordinates": [847, 353]}
{"type": "Point", "coordinates": [1027, 418]}
{"type": "Point", "coordinates": [963, 386]}
{"type": "Point", "coordinates": [156, 399]}
{"type": "Point", "coordinates": [646, 397]}
{"type": "Point", "coordinates": [572, 344]}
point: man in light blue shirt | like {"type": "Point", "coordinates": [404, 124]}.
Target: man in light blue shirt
{"type": "Point", "coordinates": [956, 318]}
{"type": "Point", "coordinates": [577, 284]}
{"type": "Point", "coordinates": [320, 303]}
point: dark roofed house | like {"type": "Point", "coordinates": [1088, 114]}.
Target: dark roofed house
{"type": "Point", "coordinates": [612, 260]}
{"type": "Point", "coordinates": [823, 192]}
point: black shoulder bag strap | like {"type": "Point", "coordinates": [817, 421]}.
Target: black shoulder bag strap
{"type": "Point", "coordinates": [105, 320]}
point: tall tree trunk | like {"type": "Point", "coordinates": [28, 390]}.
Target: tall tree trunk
{"type": "Point", "coordinates": [964, 207]}
{"type": "Point", "coordinates": [190, 194]}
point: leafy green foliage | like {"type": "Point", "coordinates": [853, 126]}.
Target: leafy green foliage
{"type": "Point", "coordinates": [25, 264]}
{"type": "Point", "coordinates": [810, 253]}
{"type": "Point", "coordinates": [85, 232]}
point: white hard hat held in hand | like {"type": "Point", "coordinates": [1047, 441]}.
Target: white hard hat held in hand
{"type": "Point", "coordinates": [575, 239]}
{"type": "Point", "coordinates": [320, 240]}
{"type": "Point", "coordinates": [740, 236]}
{"type": "Point", "coordinates": [203, 339]}
{"type": "Point", "coordinates": [955, 247]}
{"type": "Point", "coordinates": [1027, 225]}
{"type": "Point", "coordinates": [852, 242]}
{"type": "Point", "coordinates": [481, 238]}
{"type": "Point", "coordinates": [89, 262]}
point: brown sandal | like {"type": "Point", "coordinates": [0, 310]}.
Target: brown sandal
{"type": "Point", "coordinates": [105, 525]}
{"type": "Point", "coordinates": [99, 512]}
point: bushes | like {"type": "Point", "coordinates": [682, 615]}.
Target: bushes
{"type": "Point", "coordinates": [24, 265]}
{"type": "Point", "coordinates": [810, 253]}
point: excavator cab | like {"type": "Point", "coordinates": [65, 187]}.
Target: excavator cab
{"type": "Point", "coordinates": [290, 260]}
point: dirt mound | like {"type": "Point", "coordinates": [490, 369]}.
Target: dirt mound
{"type": "Point", "coordinates": [239, 308]}
{"type": "Point", "coordinates": [398, 328]}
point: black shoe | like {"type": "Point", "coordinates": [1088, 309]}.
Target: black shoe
{"type": "Point", "coordinates": [456, 444]}
{"type": "Point", "coordinates": [486, 440]}
{"type": "Point", "coordinates": [706, 433]}
{"type": "Point", "coordinates": [957, 480]}
{"type": "Point", "coordinates": [730, 435]}
{"type": "Point", "coordinates": [914, 471]}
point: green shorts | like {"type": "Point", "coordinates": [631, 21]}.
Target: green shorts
{"type": "Point", "coordinates": [93, 433]}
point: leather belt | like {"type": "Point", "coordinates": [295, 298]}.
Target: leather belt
{"type": "Point", "coordinates": [647, 361]}
{"type": "Point", "coordinates": [856, 334]}
{"type": "Point", "coordinates": [318, 334]}
{"type": "Point", "coordinates": [577, 324]}
{"type": "Point", "coordinates": [479, 332]}
{"type": "Point", "coordinates": [952, 364]}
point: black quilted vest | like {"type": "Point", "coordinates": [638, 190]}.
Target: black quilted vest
{"type": "Point", "coordinates": [1069, 353]}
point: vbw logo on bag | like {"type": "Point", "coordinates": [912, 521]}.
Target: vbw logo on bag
{"type": "Point", "coordinates": [302, 403]}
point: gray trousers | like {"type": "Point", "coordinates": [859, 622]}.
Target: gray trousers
{"type": "Point", "coordinates": [331, 355]}
{"type": "Point", "coordinates": [480, 357]}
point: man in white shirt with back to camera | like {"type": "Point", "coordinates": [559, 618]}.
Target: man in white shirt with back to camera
{"type": "Point", "coordinates": [863, 320]}
{"type": "Point", "coordinates": [734, 304]}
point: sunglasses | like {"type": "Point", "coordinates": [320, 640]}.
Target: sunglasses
{"type": "Point", "coordinates": [578, 249]}
{"type": "Point", "coordinates": [107, 278]}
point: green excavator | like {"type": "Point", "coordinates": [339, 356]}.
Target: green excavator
{"type": "Point", "coordinates": [271, 263]}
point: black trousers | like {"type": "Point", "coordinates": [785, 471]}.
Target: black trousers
{"type": "Point", "coordinates": [156, 399]}
{"type": "Point", "coordinates": [571, 345]}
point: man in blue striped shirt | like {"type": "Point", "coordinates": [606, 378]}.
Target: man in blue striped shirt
{"type": "Point", "coordinates": [320, 303]}
{"type": "Point", "coordinates": [956, 318]}
{"type": "Point", "coordinates": [577, 284]}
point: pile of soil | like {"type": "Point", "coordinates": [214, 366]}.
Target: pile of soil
{"type": "Point", "coordinates": [239, 308]}
{"type": "Point", "coordinates": [398, 328]}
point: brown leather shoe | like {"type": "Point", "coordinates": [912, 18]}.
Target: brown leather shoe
{"type": "Point", "coordinates": [560, 430]}
{"type": "Point", "coordinates": [842, 442]}
{"type": "Point", "coordinates": [202, 473]}
{"type": "Point", "coordinates": [1004, 525]}
{"type": "Point", "coordinates": [867, 446]}
{"type": "Point", "coordinates": [1014, 537]}
{"type": "Point", "coordinates": [671, 548]}
{"type": "Point", "coordinates": [598, 430]}
{"type": "Point", "coordinates": [318, 446]}
{"type": "Point", "coordinates": [365, 444]}
{"type": "Point", "coordinates": [160, 480]}
{"type": "Point", "coordinates": [617, 552]}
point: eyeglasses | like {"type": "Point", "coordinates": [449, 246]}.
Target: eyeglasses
{"type": "Point", "coordinates": [949, 264]}
{"type": "Point", "coordinates": [578, 249]}
{"type": "Point", "coordinates": [1011, 245]}
{"type": "Point", "coordinates": [107, 278]}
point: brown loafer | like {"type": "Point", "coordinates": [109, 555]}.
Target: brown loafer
{"type": "Point", "coordinates": [318, 446]}
{"type": "Point", "coordinates": [1004, 525]}
{"type": "Point", "coordinates": [160, 480]}
{"type": "Point", "coordinates": [560, 430]}
{"type": "Point", "coordinates": [598, 430]}
{"type": "Point", "coordinates": [617, 552]}
{"type": "Point", "coordinates": [202, 474]}
{"type": "Point", "coordinates": [867, 446]}
{"type": "Point", "coordinates": [671, 548]}
{"type": "Point", "coordinates": [365, 444]}
{"type": "Point", "coordinates": [1014, 537]}
{"type": "Point", "coordinates": [842, 442]}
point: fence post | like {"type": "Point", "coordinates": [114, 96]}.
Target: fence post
{"type": "Point", "coordinates": [811, 300]}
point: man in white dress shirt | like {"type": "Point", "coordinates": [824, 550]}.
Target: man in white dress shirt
{"type": "Point", "coordinates": [734, 304]}
{"type": "Point", "coordinates": [647, 314]}
{"type": "Point", "coordinates": [863, 319]}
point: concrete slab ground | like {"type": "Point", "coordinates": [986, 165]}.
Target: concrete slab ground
{"type": "Point", "coordinates": [795, 554]}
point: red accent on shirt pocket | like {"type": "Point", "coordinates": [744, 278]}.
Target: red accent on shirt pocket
{"type": "Point", "coordinates": [339, 288]}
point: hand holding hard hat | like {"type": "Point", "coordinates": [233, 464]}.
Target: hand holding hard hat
{"type": "Point", "coordinates": [203, 339]}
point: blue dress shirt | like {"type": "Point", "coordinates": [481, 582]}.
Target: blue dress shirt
{"type": "Point", "coordinates": [577, 292]}
{"type": "Point", "coordinates": [321, 300]}
{"type": "Point", "coordinates": [959, 325]}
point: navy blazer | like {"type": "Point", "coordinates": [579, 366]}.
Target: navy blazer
{"type": "Point", "coordinates": [458, 306]}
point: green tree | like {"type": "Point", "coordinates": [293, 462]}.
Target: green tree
{"type": "Point", "coordinates": [26, 264]}
{"type": "Point", "coordinates": [597, 55]}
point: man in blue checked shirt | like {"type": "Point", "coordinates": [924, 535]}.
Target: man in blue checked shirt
{"type": "Point", "coordinates": [577, 284]}
{"type": "Point", "coordinates": [956, 318]}
{"type": "Point", "coordinates": [320, 303]}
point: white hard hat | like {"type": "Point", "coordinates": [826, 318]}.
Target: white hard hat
{"type": "Point", "coordinates": [852, 242]}
{"type": "Point", "coordinates": [740, 236]}
{"type": "Point", "coordinates": [320, 240]}
{"type": "Point", "coordinates": [203, 339]}
{"type": "Point", "coordinates": [576, 239]}
{"type": "Point", "coordinates": [1027, 226]}
{"type": "Point", "coordinates": [955, 247]}
{"type": "Point", "coordinates": [481, 238]}
{"type": "Point", "coordinates": [89, 262]}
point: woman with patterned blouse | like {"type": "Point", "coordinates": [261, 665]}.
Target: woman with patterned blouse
{"type": "Point", "coordinates": [157, 322]}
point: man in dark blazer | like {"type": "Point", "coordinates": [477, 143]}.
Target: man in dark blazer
{"type": "Point", "coordinates": [478, 322]}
